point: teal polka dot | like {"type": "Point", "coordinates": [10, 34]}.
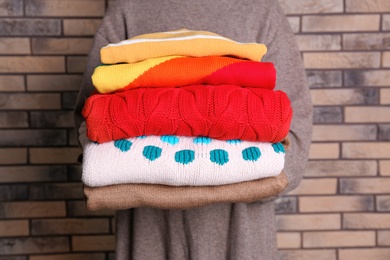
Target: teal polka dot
{"type": "Point", "coordinates": [202, 140]}
{"type": "Point", "coordinates": [152, 152]}
{"type": "Point", "coordinates": [184, 156]}
{"type": "Point", "coordinates": [251, 154]}
{"type": "Point", "coordinates": [170, 139]}
{"type": "Point", "coordinates": [234, 141]}
{"type": "Point", "coordinates": [219, 156]}
{"type": "Point", "coordinates": [141, 136]}
{"type": "Point", "coordinates": [123, 145]}
{"type": "Point", "coordinates": [278, 148]}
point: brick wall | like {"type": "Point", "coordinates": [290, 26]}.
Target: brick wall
{"type": "Point", "coordinates": [342, 208]}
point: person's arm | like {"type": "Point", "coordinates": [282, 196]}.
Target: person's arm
{"type": "Point", "coordinates": [291, 78]}
{"type": "Point", "coordinates": [112, 29]}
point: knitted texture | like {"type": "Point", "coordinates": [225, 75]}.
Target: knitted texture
{"type": "Point", "coordinates": [125, 196]}
{"type": "Point", "coordinates": [174, 71]}
{"type": "Point", "coordinates": [181, 42]}
{"type": "Point", "coordinates": [221, 112]}
{"type": "Point", "coordinates": [179, 161]}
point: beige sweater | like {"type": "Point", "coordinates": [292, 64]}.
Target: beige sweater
{"type": "Point", "coordinates": [220, 231]}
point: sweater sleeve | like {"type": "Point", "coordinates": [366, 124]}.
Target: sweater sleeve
{"type": "Point", "coordinates": [291, 78]}
{"type": "Point", "coordinates": [112, 29]}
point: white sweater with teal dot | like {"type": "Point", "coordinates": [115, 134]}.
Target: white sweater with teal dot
{"type": "Point", "coordinates": [179, 161]}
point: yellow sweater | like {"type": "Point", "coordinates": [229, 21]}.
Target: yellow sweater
{"type": "Point", "coordinates": [181, 42]}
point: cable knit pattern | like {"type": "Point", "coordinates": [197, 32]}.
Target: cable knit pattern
{"type": "Point", "coordinates": [179, 161]}
{"type": "Point", "coordinates": [221, 112]}
{"type": "Point", "coordinates": [174, 71]}
{"type": "Point", "coordinates": [181, 42]}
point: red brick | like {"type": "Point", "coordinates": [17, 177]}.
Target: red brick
{"type": "Point", "coordinates": [93, 243]}
{"type": "Point", "coordinates": [366, 221]}
{"type": "Point", "coordinates": [32, 209]}
{"type": "Point", "coordinates": [365, 254]}
{"type": "Point", "coordinates": [336, 239]}
{"type": "Point", "coordinates": [69, 226]}
{"type": "Point", "coordinates": [69, 257]}
{"type": "Point", "coordinates": [33, 245]}
{"type": "Point", "coordinates": [298, 222]}
{"type": "Point", "coordinates": [11, 228]}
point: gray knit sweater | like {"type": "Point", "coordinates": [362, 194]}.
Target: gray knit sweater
{"type": "Point", "coordinates": [223, 231]}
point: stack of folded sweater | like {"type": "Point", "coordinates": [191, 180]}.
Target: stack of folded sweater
{"type": "Point", "coordinates": [183, 119]}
